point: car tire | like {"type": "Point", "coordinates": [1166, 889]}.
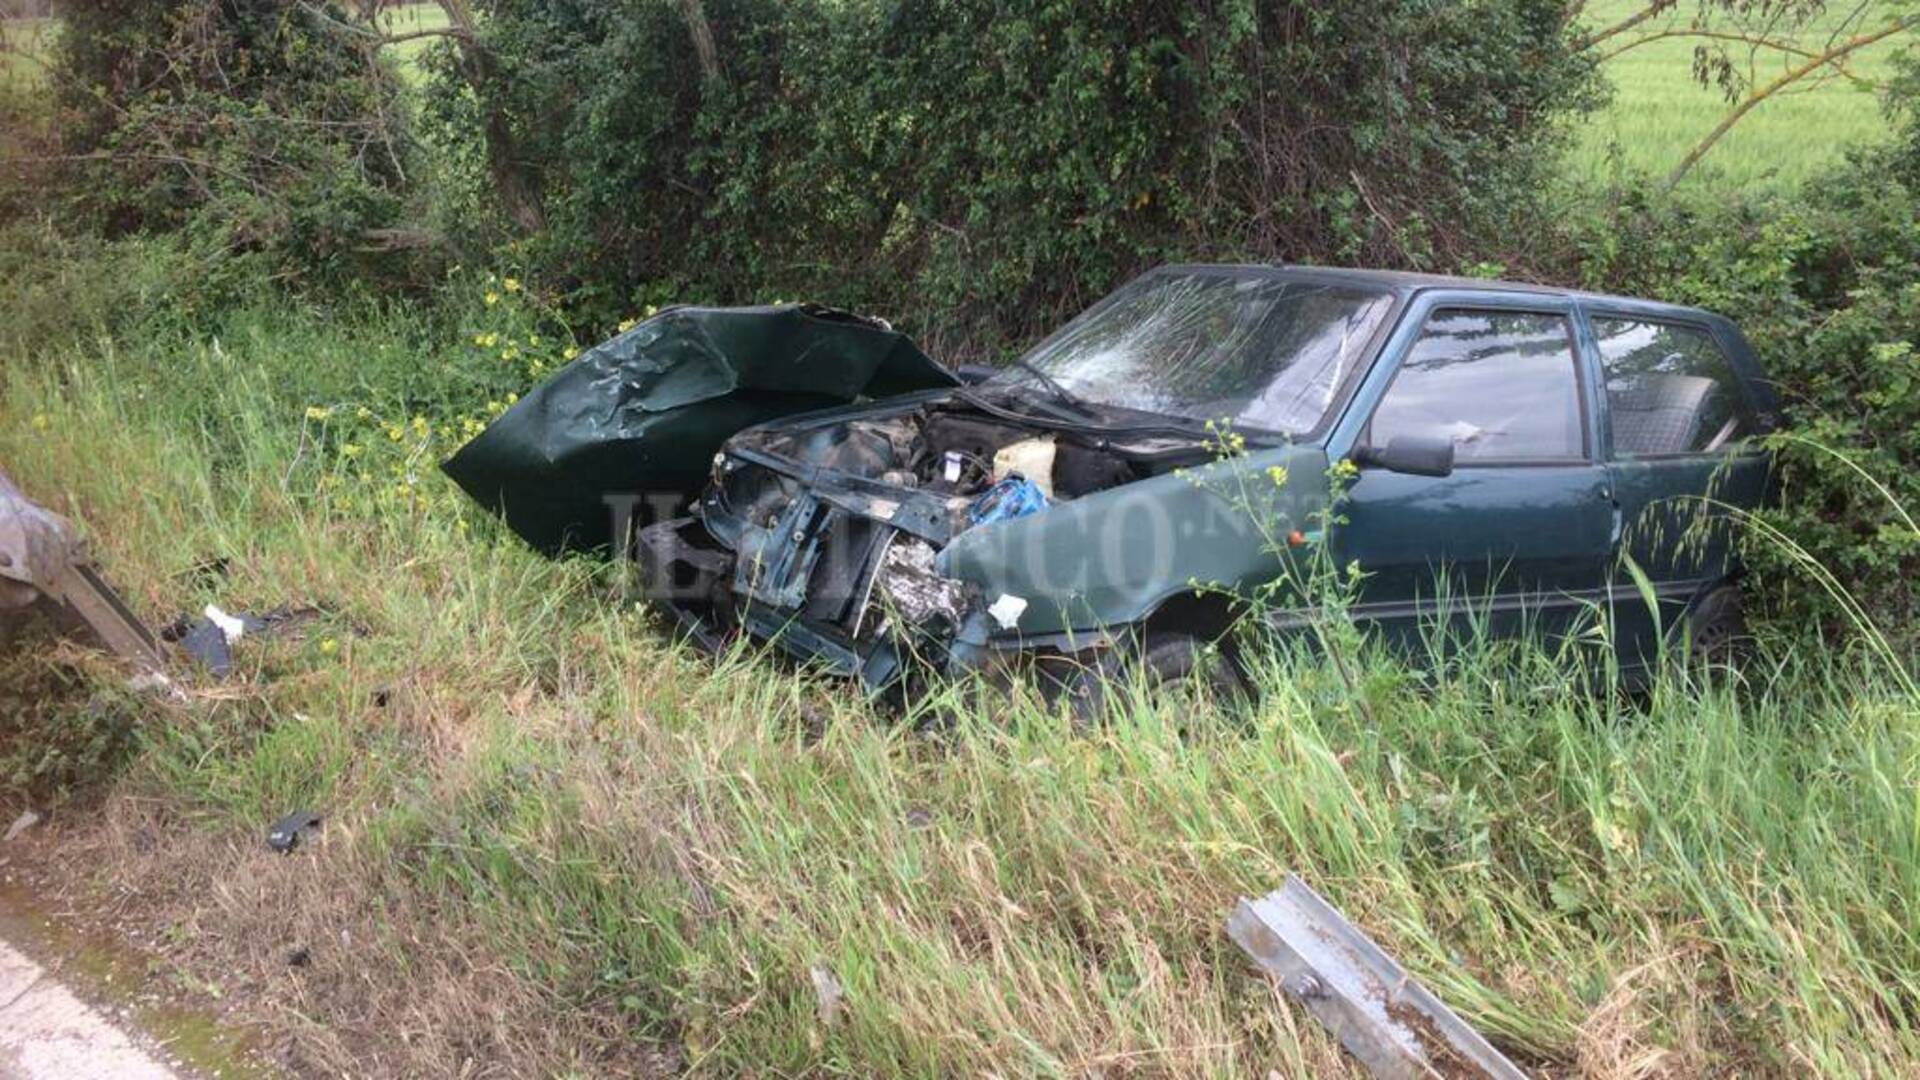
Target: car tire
{"type": "Point", "coordinates": [1163, 658]}
{"type": "Point", "coordinates": [1717, 627]}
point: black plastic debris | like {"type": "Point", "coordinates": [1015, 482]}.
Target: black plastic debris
{"type": "Point", "coordinates": [209, 646]}
{"type": "Point", "coordinates": [209, 639]}
{"type": "Point", "coordinates": [287, 832]}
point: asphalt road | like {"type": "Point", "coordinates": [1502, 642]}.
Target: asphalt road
{"type": "Point", "coordinates": [46, 1033]}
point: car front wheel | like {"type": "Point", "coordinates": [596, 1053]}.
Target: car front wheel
{"type": "Point", "coordinates": [1162, 659]}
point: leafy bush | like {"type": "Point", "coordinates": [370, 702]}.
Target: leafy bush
{"type": "Point", "coordinates": [256, 126]}
{"type": "Point", "coordinates": [978, 169]}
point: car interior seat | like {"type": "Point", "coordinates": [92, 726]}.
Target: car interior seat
{"type": "Point", "coordinates": [1661, 414]}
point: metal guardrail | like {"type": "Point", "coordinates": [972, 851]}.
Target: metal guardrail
{"type": "Point", "coordinates": [42, 560]}
{"type": "Point", "coordinates": [1397, 1029]}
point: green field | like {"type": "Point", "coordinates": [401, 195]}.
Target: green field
{"type": "Point", "coordinates": [23, 36]}
{"type": "Point", "coordinates": [1658, 112]}
{"type": "Point", "coordinates": [407, 19]}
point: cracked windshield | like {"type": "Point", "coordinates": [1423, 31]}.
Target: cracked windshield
{"type": "Point", "coordinates": [1263, 351]}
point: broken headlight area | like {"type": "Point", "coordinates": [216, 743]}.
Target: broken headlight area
{"type": "Point", "coordinates": [827, 583]}
{"type": "Point", "coordinates": [824, 533]}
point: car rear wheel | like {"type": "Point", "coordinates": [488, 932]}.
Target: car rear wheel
{"type": "Point", "coordinates": [1717, 627]}
{"type": "Point", "coordinates": [1163, 659]}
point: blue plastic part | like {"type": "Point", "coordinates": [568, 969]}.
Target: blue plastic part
{"type": "Point", "coordinates": [1015, 496]}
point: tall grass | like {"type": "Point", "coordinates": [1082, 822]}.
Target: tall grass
{"type": "Point", "coordinates": [535, 795]}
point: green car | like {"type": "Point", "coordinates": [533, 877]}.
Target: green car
{"type": "Point", "coordinates": [1517, 457]}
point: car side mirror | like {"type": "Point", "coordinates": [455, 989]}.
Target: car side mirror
{"type": "Point", "coordinates": [974, 374]}
{"type": "Point", "coordinates": [1415, 455]}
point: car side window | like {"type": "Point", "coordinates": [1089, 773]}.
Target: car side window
{"type": "Point", "coordinates": [1670, 389]}
{"type": "Point", "coordinates": [1502, 385]}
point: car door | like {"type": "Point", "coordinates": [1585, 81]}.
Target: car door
{"type": "Point", "coordinates": [1520, 533]}
{"type": "Point", "coordinates": [1676, 429]}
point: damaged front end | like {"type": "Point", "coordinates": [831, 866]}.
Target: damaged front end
{"type": "Point", "coordinates": [854, 538]}
{"type": "Point", "coordinates": [811, 478]}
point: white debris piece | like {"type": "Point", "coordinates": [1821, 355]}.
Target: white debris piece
{"type": "Point", "coordinates": [153, 682]}
{"type": "Point", "coordinates": [233, 628]}
{"type": "Point", "coordinates": [27, 820]}
{"type": "Point", "coordinates": [1006, 610]}
{"type": "Point", "coordinates": [828, 993]}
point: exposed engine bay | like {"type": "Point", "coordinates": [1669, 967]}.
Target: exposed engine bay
{"type": "Point", "coordinates": [827, 530]}
{"type": "Point", "coordinates": [952, 454]}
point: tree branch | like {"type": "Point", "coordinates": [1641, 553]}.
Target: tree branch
{"type": "Point", "coordinates": [1653, 9]}
{"type": "Point", "coordinates": [702, 34]}
{"type": "Point", "coordinates": [377, 39]}
{"type": "Point", "coordinates": [1786, 79]}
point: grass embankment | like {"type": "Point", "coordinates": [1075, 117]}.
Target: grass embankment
{"type": "Point", "coordinates": [555, 841]}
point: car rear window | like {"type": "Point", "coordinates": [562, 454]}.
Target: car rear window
{"type": "Point", "coordinates": [1670, 389]}
{"type": "Point", "coordinates": [1501, 384]}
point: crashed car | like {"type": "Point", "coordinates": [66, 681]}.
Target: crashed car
{"type": "Point", "coordinates": [1107, 496]}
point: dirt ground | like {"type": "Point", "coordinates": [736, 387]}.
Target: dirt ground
{"type": "Point", "coordinates": [248, 962]}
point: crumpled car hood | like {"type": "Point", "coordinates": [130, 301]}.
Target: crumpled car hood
{"type": "Point", "coordinates": [630, 427]}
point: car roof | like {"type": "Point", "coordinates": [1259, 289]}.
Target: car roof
{"type": "Point", "coordinates": [1408, 282]}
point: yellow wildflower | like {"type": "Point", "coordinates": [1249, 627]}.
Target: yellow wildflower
{"type": "Point", "coordinates": [363, 413]}
{"type": "Point", "coordinates": [511, 284]}
{"type": "Point", "coordinates": [420, 426]}
{"type": "Point", "coordinates": [650, 311]}
{"type": "Point", "coordinates": [512, 397]}
{"type": "Point", "coordinates": [569, 353]}
{"type": "Point", "coordinates": [39, 421]}
{"type": "Point", "coordinates": [329, 646]}
{"type": "Point", "coordinates": [509, 354]}
{"type": "Point", "coordinates": [533, 341]}
{"type": "Point", "coordinates": [627, 324]}
{"type": "Point", "coordinates": [316, 412]}
{"type": "Point", "coordinates": [351, 450]}
{"type": "Point", "coordinates": [491, 298]}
